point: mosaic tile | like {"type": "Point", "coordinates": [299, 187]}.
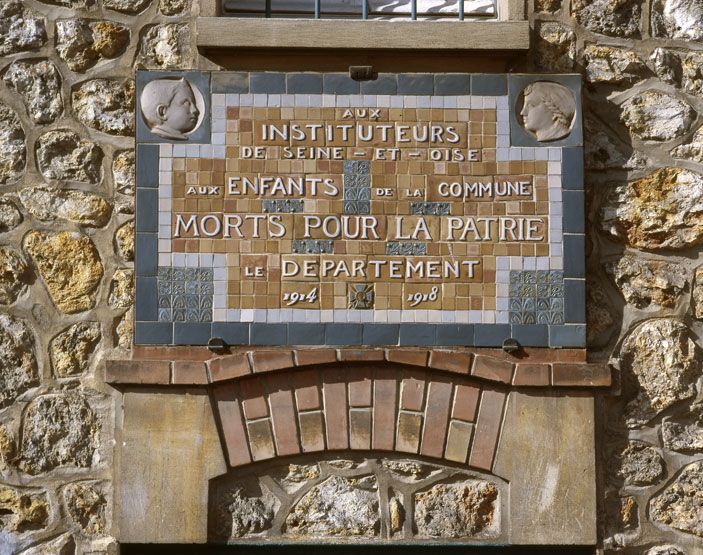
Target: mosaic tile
{"type": "Point", "coordinates": [216, 277]}
{"type": "Point", "coordinates": [282, 206]}
{"type": "Point", "coordinates": [430, 208]}
{"type": "Point", "coordinates": [406, 248]}
{"type": "Point", "coordinates": [313, 246]}
{"type": "Point", "coordinates": [361, 296]}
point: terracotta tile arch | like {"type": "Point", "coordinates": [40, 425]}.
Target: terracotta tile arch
{"type": "Point", "coordinates": [361, 407]}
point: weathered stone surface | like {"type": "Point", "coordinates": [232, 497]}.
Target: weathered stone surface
{"type": "Point", "coordinates": [165, 46]}
{"type": "Point", "coordinates": [664, 550]}
{"type": "Point", "coordinates": [692, 73]}
{"type": "Point", "coordinates": [407, 469]}
{"type": "Point", "coordinates": [17, 359]}
{"type": "Point", "coordinates": [48, 203]}
{"type": "Point", "coordinates": [638, 464]}
{"type": "Point", "coordinates": [599, 317]}
{"type": "Point", "coordinates": [337, 507]}
{"type": "Point", "coordinates": [70, 350]}
{"type": "Point", "coordinates": [173, 7]}
{"type": "Point", "coordinates": [680, 505]}
{"type": "Point", "coordinates": [122, 289]}
{"type": "Point", "coordinates": [39, 83]}
{"type": "Point", "coordinates": [549, 6]}
{"type": "Point", "coordinates": [660, 211]}
{"type": "Point", "coordinates": [63, 545]}
{"type": "Point", "coordinates": [685, 436]}
{"type": "Point", "coordinates": [82, 43]}
{"type": "Point", "coordinates": [13, 152]}
{"type": "Point", "coordinates": [697, 293]}
{"type": "Point", "coordinates": [656, 116]}
{"type": "Point", "coordinates": [555, 48]}
{"type": "Point", "coordinates": [293, 476]}
{"type": "Point", "coordinates": [22, 510]}
{"type": "Point", "coordinates": [644, 282]}
{"type": "Point", "coordinates": [8, 448]}
{"type": "Point", "coordinates": [615, 18]}
{"type": "Point", "coordinates": [456, 510]}
{"type": "Point", "coordinates": [693, 150]}
{"type": "Point", "coordinates": [666, 64]}
{"type": "Point", "coordinates": [63, 155]}
{"type": "Point", "coordinates": [85, 504]}
{"type": "Point", "coordinates": [606, 64]}
{"type": "Point", "coordinates": [13, 275]}
{"type": "Point", "coordinates": [124, 329]}
{"type": "Point", "coordinates": [10, 216]}
{"type": "Point", "coordinates": [126, 6]}
{"type": "Point", "coordinates": [58, 429]}
{"type": "Point", "coordinates": [397, 515]}
{"type": "Point", "coordinates": [106, 105]}
{"type": "Point", "coordinates": [70, 266]}
{"type": "Point", "coordinates": [123, 172]}
{"type": "Point", "coordinates": [677, 19]}
{"type": "Point", "coordinates": [20, 29]}
{"type": "Point", "coordinates": [251, 515]}
{"type": "Point", "coordinates": [602, 151]}
{"type": "Point", "coordinates": [124, 206]}
{"type": "Point", "coordinates": [620, 518]}
{"type": "Point", "coordinates": [661, 365]}
{"type": "Point", "coordinates": [124, 240]}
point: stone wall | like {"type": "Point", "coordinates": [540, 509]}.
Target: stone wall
{"type": "Point", "coordinates": [642, 63]}
{"type": "Point", "coordinates": [66, 229]}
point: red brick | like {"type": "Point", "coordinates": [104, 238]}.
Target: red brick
{"type": "Point", "coordinates": [186, 372]}
{"type": "Point", "coordinates": [384, 409]}
{"type": "Point", "coordinates": [334, 390]}
{"type": "Point", "coordinates": [409, 425]}
{"type": "Point", "coordinates": [581, 375]}
{"type": "Point", "coordinates": [493, 369]}
{"type": "Point", "coordinates": [312, 431]}
{"type": "Point", "coordinates": [307, 391]}
{"type": "Point", "coordinates": [358, 355]}
{"type": "Point", "coordinates": [530, 373]}
{"type": "Point", "coordinates": [229, 367]}
{"type": "Point", "coordinates": [465, 402]}
{"type": "Point", "coordinates": [360, 388]}
{"type": "Point", "coordinates": [151, 352]}
{"type": "Point", "coordinates": [261, 440]}
{"type": "Point", "coordinates": [451, 361]}
{"type": "Point", "coordinates": [458, 441]}
{"type": "Point", "coordinates": [360, 428]}
{"type": "Point", "coordinates": [254, 399]}
{"type": "Point", "coordinates": [411, 358]}
{"type": "Point", "coordinates": [137, 371]}
{"type": "Point", "coordinates": [283, 418]}
{"type": "Point", "coordinates": [232, 426]}
{"type": "Point", "coordinates": [490, 418]}
{"type": "Point", "coordinates": [308, 357]}
{"type": "Point", "coordinates": [267, 361]}
{"type": "Point", "coordinates": [439, 395]}
{"type": "Point", "coordinates": [412, 391]}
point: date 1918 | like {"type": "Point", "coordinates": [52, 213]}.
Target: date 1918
{"type": "Point", "coordinates": [416, 298]}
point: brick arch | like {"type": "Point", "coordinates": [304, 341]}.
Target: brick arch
{"type": "Point", "coordinates": [383, 407]}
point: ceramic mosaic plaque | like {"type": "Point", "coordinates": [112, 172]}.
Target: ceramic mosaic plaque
{"type": "Point", "coordinates": [311, 209]}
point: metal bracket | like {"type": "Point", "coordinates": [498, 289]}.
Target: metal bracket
{"type": "Point", "coordinates": [362, 73]}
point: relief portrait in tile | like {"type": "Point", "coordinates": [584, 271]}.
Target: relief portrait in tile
{"type": "Point", "coordinates": [548, 110]}
{"type": "Point", "coordinates": [172, 108]}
